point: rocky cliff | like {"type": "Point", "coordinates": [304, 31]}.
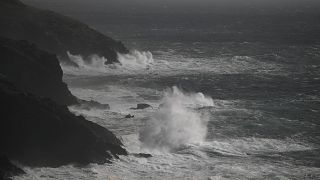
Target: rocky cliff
{"type": "Point", "coordinates": [34, 70]}
{"type": "Point", "coordinates": [55, 33]}
{"type": "Point", "coordinates": [36, 131]}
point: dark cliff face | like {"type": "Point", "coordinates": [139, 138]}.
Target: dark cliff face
{"type": "Point", "coordinates": [34, 70]}
{"type": "Point", "coordinates": [55, 33]}
{"type": "Point", "coordinates": [38, 132]}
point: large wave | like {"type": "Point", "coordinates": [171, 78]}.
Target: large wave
{"type": "Point", "coordinates": [136, 59]}
{"type": "Point", "coordinates": [94, 62]}
{"type": "Point", "coordinates": [133, 61]}
{"type": "Point", "coordinates": [176, 123]}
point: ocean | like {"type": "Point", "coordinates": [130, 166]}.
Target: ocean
{"type": "Point", "coordinates": [232, 96]}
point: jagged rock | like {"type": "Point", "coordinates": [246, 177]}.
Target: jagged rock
{"type": "Point", "coordinates": [34, 70]}
{"type": "Point", "coordinates": [37, 132]}
{"type": "Point", "coordinates": [7, 169]}
{"type": "Point", "coordinates": [142, 106]}
{"type": "Point", "coordinates": [87, 105]}
{"type": "Point", "coordinates": [129, 116]}
{"type": "Point", "coordinates": [55, 33]}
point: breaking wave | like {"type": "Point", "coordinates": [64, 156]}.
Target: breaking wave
{"type": "Point", "coordinates": [94, 64]}
{"type": "Point", "coordinates": [176, 123]}
{"type": "Point", "coordinates": [136, 59]}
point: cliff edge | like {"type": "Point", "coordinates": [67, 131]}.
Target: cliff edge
{"type": "Point", "coordinates": [55, 33]}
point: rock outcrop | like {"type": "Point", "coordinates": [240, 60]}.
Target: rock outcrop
{"type": "Point", "coordinates": [55, 33]}
{"type": "Point", "coordinates": [34, 70]}
{"type": "Point", "coordinates": [129, 116]}
{"type": "Point", "coordinates": [142, 155]}
{"type": "Point", "coordinates": [37, 132]}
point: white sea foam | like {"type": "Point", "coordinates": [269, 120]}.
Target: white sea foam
{"type": "Point", "coordinates": [94, 62]}
{"type": "Point", "coordinates": [136, 60]}
{"type": "Point", "coordinates": [96, 65]}
{"type": "Point", "coordinates": [143, 62]}
{"type": "Point", "coordinates": [174, 124]}
{"type": "Point", "coordinates": [190, 160]}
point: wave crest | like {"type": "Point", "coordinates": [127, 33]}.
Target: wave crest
{"type": "Point", "coordinates": [136, 59]}
{"type": "Point", "coordinates": [95, 64]}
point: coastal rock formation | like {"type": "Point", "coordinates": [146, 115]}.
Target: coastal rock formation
{"type": "Point", "coordinates": [55, 33]}
{"type": "Point", "coordinates": [34, 70]}
{"type": "Point", "coordinates": [37, 132]}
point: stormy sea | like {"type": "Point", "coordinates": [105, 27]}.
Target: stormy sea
{"type": "Point", "coordinates": [221, 96]}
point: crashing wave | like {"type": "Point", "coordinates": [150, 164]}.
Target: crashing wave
{"type": "Point", "coordinates": [133, 61]}
{"type": "Point", "coordinates": [94, 62]}
{"type": "Point", "coordinates": [175, 124]}
{"type": "Point", "coordinates": [136, 60]}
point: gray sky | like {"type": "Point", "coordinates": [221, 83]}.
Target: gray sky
{"type": "Point", "coordinates": [222, 6]}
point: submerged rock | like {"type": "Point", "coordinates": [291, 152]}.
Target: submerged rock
{"type": "Point", "coordinates": [34, 70]}
{"type": "Point", "coordinates": [37, 132]}
{"type": "Point", "coordinates": [142, 106]}
{"type": "Point", "coordinates": [129, 116]}
{"type": "Point", "coordinates": [142, 155]}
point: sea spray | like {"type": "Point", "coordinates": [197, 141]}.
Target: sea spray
{"type": "Point", "coordinates": [93, 63]}
{"type": "Point", "coordinates": [131, 62]}
{"type": "Point", "coordinates": [136, 59]}
{"type": "Point", "coordinates": [177, 123]}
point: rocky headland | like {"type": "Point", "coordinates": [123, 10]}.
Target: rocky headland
{"type": "Point", "coordinates": [55, 33]}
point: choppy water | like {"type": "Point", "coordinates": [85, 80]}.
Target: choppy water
{"type": "Point", "coordinates": [238, 110]}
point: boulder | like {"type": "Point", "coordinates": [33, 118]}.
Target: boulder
{"type": "Point", "coordinates": [129, 116]}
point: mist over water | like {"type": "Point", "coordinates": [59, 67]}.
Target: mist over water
{"type": "Point", "coordinates": [176, 123]}
{"type": "Point", "coordinates": [95, 62]}
{"type": "Point", "coordinates": [136, 60]}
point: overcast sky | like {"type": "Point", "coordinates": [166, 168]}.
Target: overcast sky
{"type": "Point", "coordinates": [159, 5]}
